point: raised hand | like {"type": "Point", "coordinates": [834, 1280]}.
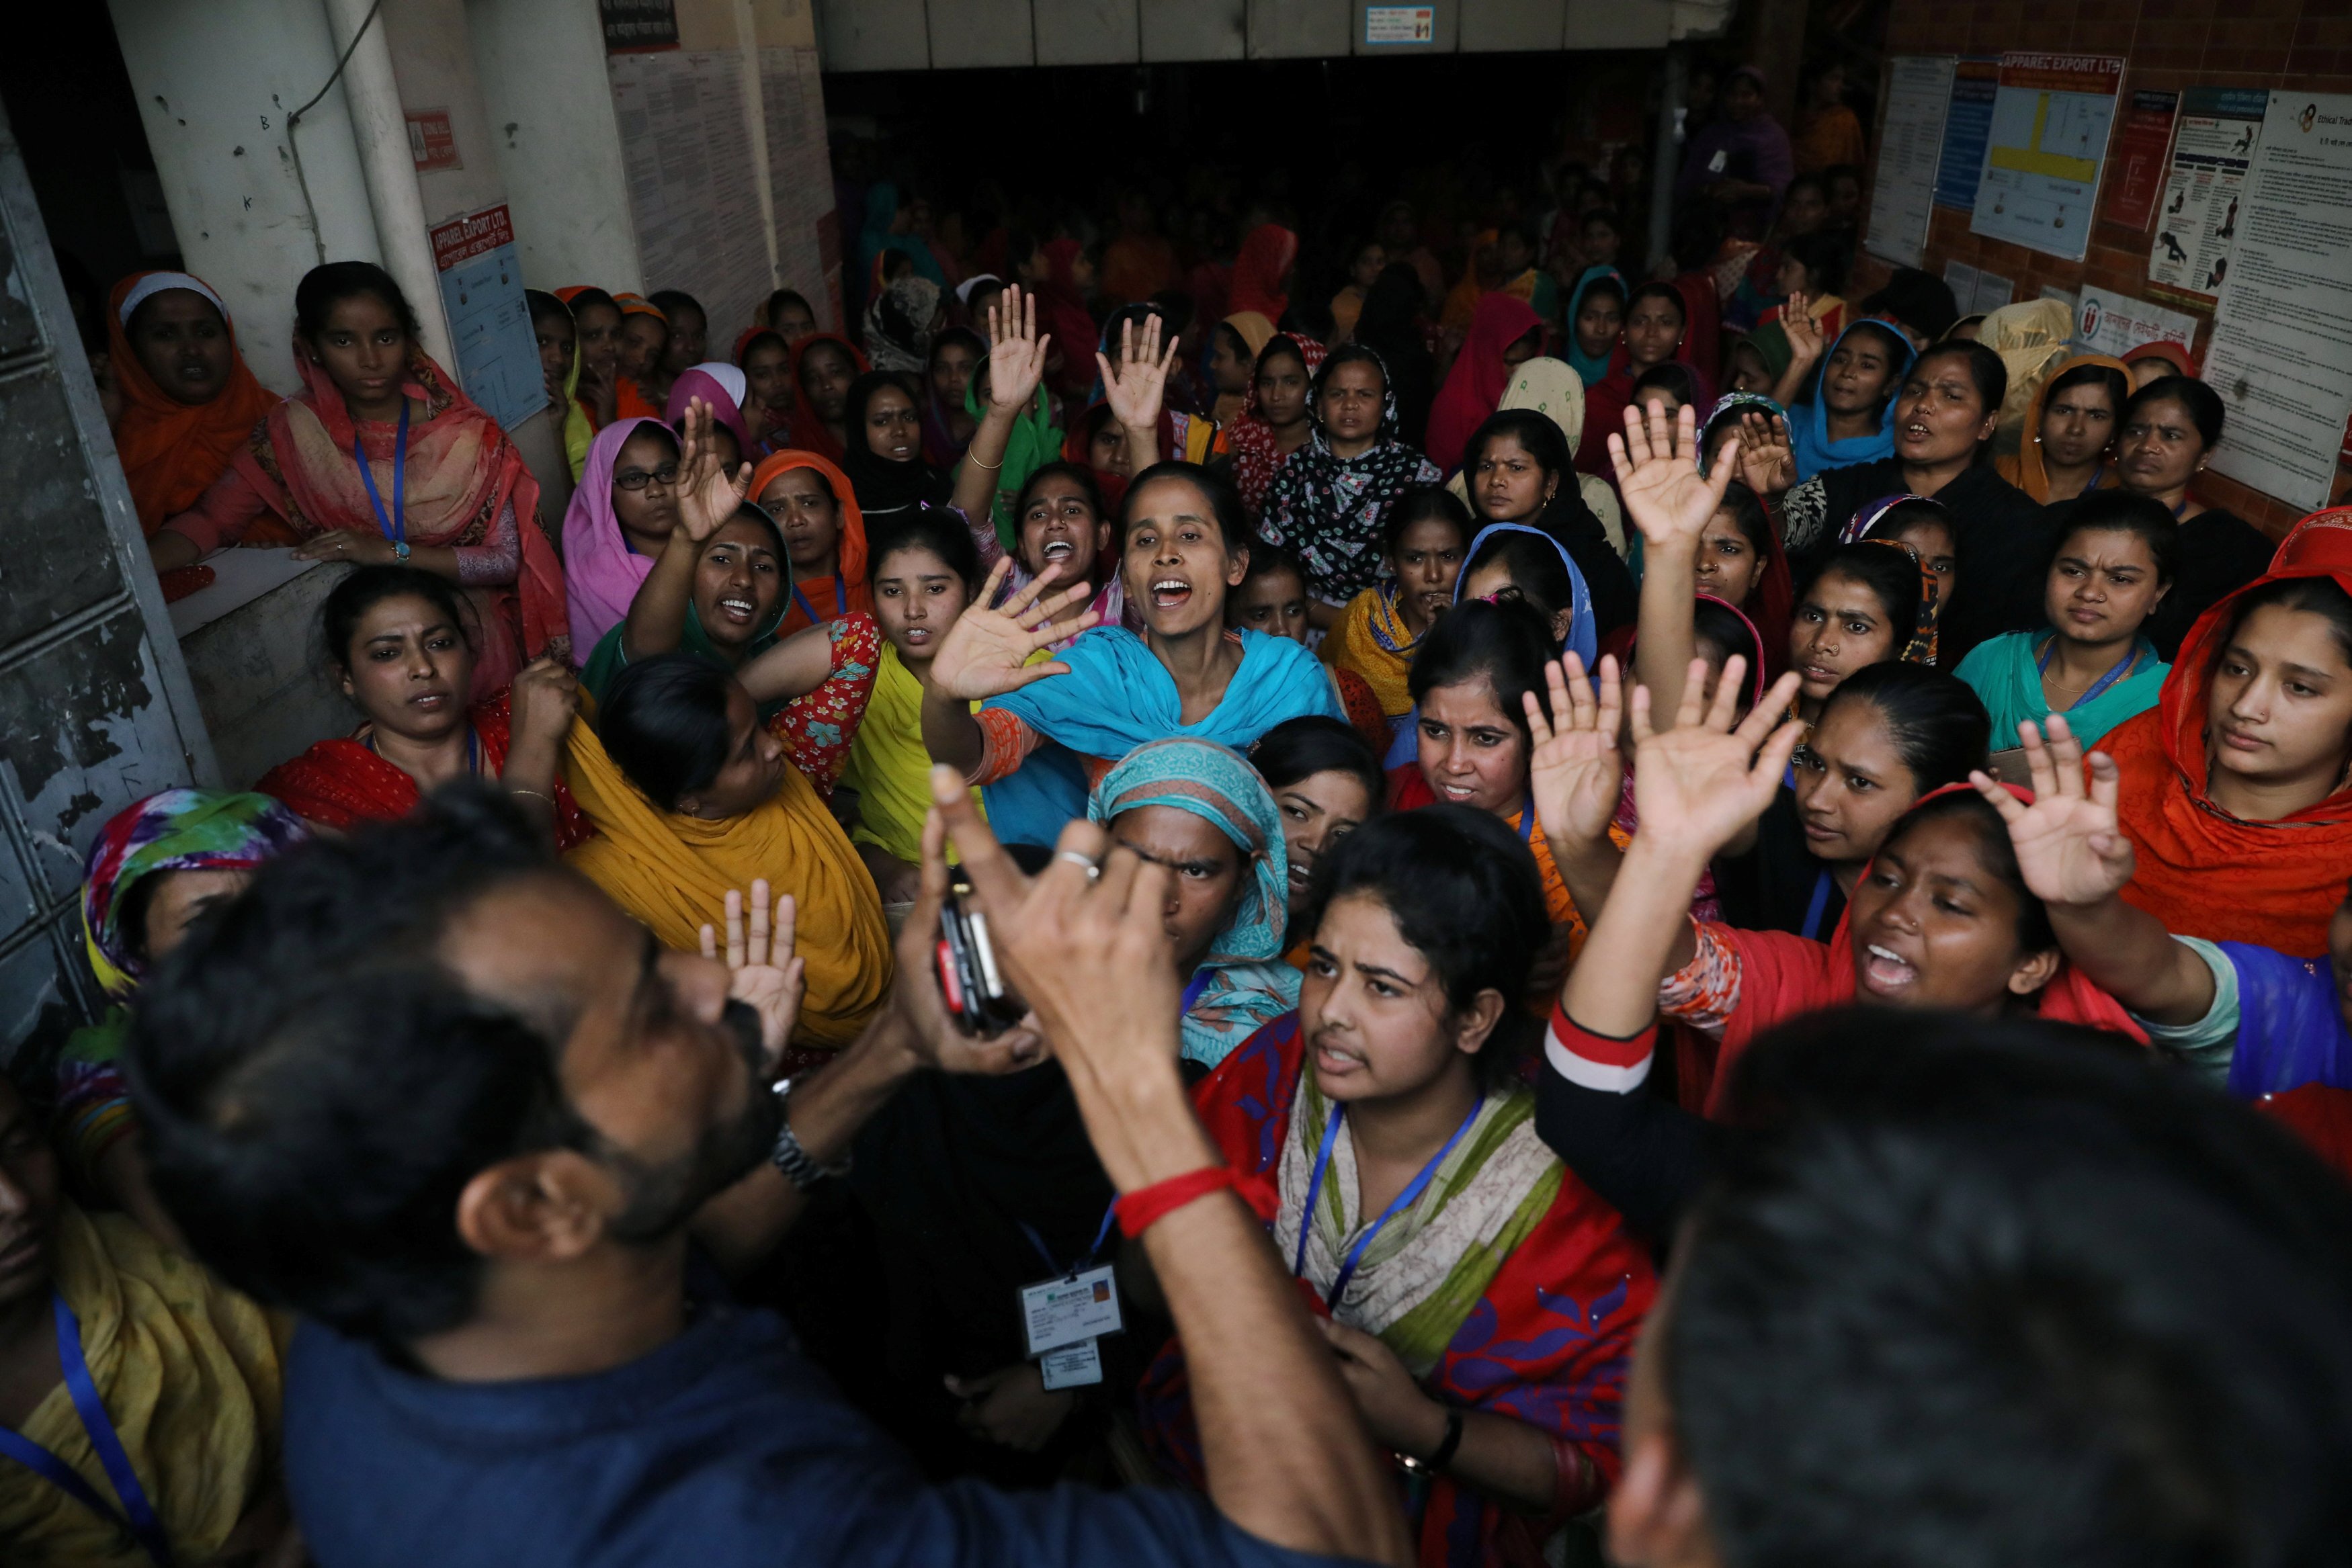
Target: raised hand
{"type": "Point", "coordinates": [986, 653]}
{"type": "Point", "coordinates": [1803, 333]}
{"type": "Point", "coordinates": [1658, 478]}
{"type": "Point", "coordinates": [2070, 848]}
{"type": "Point", "coordinates": [1136, 388]}
{"type": "Point", "coordinates": [1697, 784]}
{"type": "Point", "coordinates": [762, 970]}
{"type": "Point", "coordinates": [546, 694]}
{"type": "Point", "coordinates": [1767, 462]}
{"type": "Point", "coordinates": [1575, 771]}
{"type": "Point", "coordinates": [1017, 354]}
{"type": "Point", "coordinates": [706, 496]}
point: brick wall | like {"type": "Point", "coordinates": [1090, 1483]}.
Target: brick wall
{"type": "Point", "coordinates": [2304, 44]}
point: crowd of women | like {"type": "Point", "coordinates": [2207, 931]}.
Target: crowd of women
{"type": "Point", "coordinates": [1665, 656]}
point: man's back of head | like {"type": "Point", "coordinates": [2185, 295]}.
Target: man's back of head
{"type": "Point", "coordinates": [1980, 1295]}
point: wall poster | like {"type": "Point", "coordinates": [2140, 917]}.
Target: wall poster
{"type": "Point", "coordinates": [1968, 124]}
{"type": "Point", "coordinates": [489, 322]}
{"type": "Point", "coordinates": [2049, 137]}
{"type": "Point", "coordinates": [2196, 221]}
{"type": "Point", "coordinates": [1919, 95]}
{"type": "Point", "coordinates": [2135, 167]}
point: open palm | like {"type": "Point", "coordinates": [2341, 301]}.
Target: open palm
{"type": "Point", "coordinates": [1136, 387]}
{"type": "Point", "coordinates": [707, 494]}
{"type": "Point", "coordinates": [1767, 464]}
{"type": "Point", "coordinates": [2070, 847]}
{"type": "Point", "coordinates": [986, 653]}
{"type": "Point", "coordinates": [1657, 473]}
{"type": "Point", "coordinates": [1017, 354]}
{"type": "Point", "coordinates": [1575, 771]}
{"type": "Point", "coordinates": [1706, 778]}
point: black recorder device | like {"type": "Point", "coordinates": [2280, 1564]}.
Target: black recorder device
{"type": "Point", "coordinates": [969, 980]}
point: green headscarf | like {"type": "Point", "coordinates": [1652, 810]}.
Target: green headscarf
{"type": "Point", "coordinates": [1032, 442]}
{"type": "Point", "coordinates": [611, 658]}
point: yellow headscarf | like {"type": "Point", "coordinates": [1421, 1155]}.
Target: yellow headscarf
{"type": "Point", "coordinates": [672, 872]}
{"type": "Point", "coordinates": [1371, 638]}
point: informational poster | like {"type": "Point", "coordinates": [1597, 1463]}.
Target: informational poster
{"type": "Point", "coordinates": [1993, 291]}
{"type": "Point", "coordinates": [2136, 166]}
{"type": "Point", "coordinates": [800, 173]}
{"type": "Point", "coordinates": [1968, 127]}
{"type": "Point", "coordinates": [431, 144]}
{"type": "Point", "coordinates": [2115, 324]}
{"type": "Point", "coordinates": [639, 24]}
{"type": "Point", "coordinates": [2281, 355]}
{"type": "Point", "coordinates": [1399, 24]}
{"type": "Point", "coordinates": [489, 322]}
{"type": "Point", "coordinates": [1919, 94]}
{"type": "Point", "coordinates": [2050, 126]}
{"type": "Point", "coordinates": [686, 148]}
{"type": "Point", "coordinates": [2196, 221]}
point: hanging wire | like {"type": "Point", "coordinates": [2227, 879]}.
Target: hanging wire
{"type": "Point", "coordinates": [293, 143]}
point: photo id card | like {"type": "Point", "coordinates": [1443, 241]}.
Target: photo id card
{"type": "Point", "coordinates": [1059, 1311]}
{"type": "Point", "coordinates": [1072, 1367]}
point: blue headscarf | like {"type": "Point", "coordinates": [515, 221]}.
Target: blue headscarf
{"type": "Point", "coordinates": [1242, 984]}
{"type": "Point", "coordinates": [1117, 696]}
{"type": "Point", "coordinates": [1589, 368]}
{"type": "Point", "coordinates": [1584, 637]}
{"type": "Point", "coordinates": [1809, 433]}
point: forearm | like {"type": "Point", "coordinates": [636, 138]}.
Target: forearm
{"type": "Point", "coordinates": [1669, 609]}
{"type": "Point", "coordinates": [439, 560]}
{"type": "Point", "coordinates": [792, 668]}
{"type": "Point", "coordinates": [1792, 379]}
{"type": "Point", "coordinates": [1589, 871]}
{"type": "Point", "coordinates": [1142, 446]}
{"type": "Point", "coordinates": [975, 485]}
{"type": "Point", "coordinates": [1642, 933]}
{"type": "Point", "coordinates": [656, 620]}
{"type": "Point", "coordinates": [1512, 1462]}
{"type": "Point", "coordinates": [950, 734]}
{"type": "Point", "coordinates": [2128, 953]}
{"type": "Point", "coordinates": [170, 549]}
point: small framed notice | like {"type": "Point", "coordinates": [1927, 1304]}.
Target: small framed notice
{"type": "Point", "coordinates": [1399, 24]}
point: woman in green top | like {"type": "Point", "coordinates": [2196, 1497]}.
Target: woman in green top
{"type": "Point", "coordinates": [2113, 565]}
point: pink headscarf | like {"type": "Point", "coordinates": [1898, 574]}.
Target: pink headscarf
{"type": "Point", "coordinates": [601, 572]}
{"type": "Point", "coordinates": [720, 385]}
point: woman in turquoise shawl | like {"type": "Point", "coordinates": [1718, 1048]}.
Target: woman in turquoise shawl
{"type": "Point", "coordinates": [1592, 367]}
{"type": "Point", "coordinates": [2111, 569]}
{"type": "Point", "coordinates": [1867, 414]}
{"type": "Point", "coordinates": [1230, 914]}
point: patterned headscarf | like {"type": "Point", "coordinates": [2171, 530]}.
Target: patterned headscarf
{"type": "Point", "coordinates": [899, 325]}
{"type": "Point", "coordinates": [1243, 982]}
{"type": "Point", "coordinates": [1329, 507]}
{"type": "Point", "coordinates": [1921, 649]}
{"type": "Point", "coordinates": [1867, 518]}
{"type": "Point", "coordinates": [1731, 405]}
{"type": "Point", "coordinates": [178, 830]}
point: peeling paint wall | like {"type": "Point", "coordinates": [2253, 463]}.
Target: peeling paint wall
{"type": "Point", "coordinates": [95, 711]}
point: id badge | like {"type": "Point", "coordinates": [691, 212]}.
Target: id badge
{"type": "Point", "coordinates": [1072, 1367]}
{"type": "Point", "coordinates": [1720, 162]}
{"type": "Point", "coordinates": [1062, 1312]}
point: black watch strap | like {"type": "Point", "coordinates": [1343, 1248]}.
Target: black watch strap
{"type": "Point", "coordinates": [788, 1157]}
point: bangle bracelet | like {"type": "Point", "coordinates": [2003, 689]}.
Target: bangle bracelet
{"type": "Point", "coordinates": [1139, 1211]}
{"type": "Point", "coordinates": [991, 468]}
{"type": "Point", "coordinates": [1442, 1455]}
{"type": "Point", "coordinates": [533, 794]}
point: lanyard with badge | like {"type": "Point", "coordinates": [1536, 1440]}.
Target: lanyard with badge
{"type": "Point", "coordinates": [138, 1515]}
{"type": "Point", "coordinates": [1397, 1205]}
{"type": "Point", "coordinates": [395, 524]}
{"type": "Point", "coordinates": [1064, 1316]}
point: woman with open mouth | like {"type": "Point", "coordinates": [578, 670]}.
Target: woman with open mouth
{"type": "Point", "coordinates": [1046, 730]}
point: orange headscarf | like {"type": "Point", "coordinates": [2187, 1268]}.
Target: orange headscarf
{"type": "Point", "coordinates": [171, 450]}
{"type": "Point", "coordinates": [2023, 468]}
{"type": "Point", "coordinates": [817, 599]}
{"type": "Point", "coordinates": [2201, 871]}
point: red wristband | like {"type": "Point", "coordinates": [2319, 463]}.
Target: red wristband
{"type": "Point", "coordinates": [1145, 1206]}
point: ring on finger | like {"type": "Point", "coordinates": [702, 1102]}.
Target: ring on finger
{"type": "Point", "coordinates": [1094, 869]}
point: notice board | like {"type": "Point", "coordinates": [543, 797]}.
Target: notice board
{"type": "Point", "coordinates": [686, 148]}
{"type": "Point", "coordinates": [2049, 137]}
{"type": "Point", "coordinates": [490, 321]}
{"type": "Point", "coordinates": [1910, 144]}
{"type": "Point", "coordinates": [2196, 221]}
{"type": "Point", "coordinates": [1968, 126]}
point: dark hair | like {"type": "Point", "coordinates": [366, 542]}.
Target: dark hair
{"type": "Point", "coordinates": [1898, 347]}
{"type": "Point", "coordinates": [784, 297]}
{"type": "Point", "coordinates": [1990, 376]}
{"type": "Point", "coordinates": [1836, 171]}
{"type": "Point", "coordinates": [2320, 596]}
{"type": "Point", "coordinates": [1747, 511]}
{"type": "Point", "coordinates": [2204, 405]}
{"type": "Point", "coordinates": [1299, 749]}
{"type": "Point", "coordinates": [764, 335]}
{"type": "Point", "coordinates": [1606, 216]}
{"type": "Point", "coordinates": [649, 427]}
{"type": "Point", "coordinates": [1417, 503]}
{"type": "Point", "coordinates": [1464, 893]}
{"type": "Point", "coordinates": [1918, 299]}
{"type": "Point", "coordinates": [1937, 721]}
{"type": "Point", "coordinates": [1176, 310]}
{"type": "Point", "coordinates": [1350, 354]}
{"type": "Point", "coordinates": [1533, 430]}
{"type": "Point", "coordinates": [1994, 848]}
{"type": "Point", "coordinates": [1224, 500]}
{"type": "Point", "coordinates": [1140, 312]}
{"type": "Point", "coordinates": [587, 298]}
{"type": "Point", "coordinates": [316, 1088]}
{"type": "Point", "coordinates": [668, 299]}
{"type": "Point", "coordinates": [365, 587]}
{"type": "Point", "coordinates": [1307, 316]}
{"type": "Point", "coordinates": [1521, 230]}
{"type": "Point", "coordinates": [1824, 253]}
{"type": "Point", "coordinates": [862, 393]}
{"type": "Point", "coordinates": [1060, 468]}
{"type": "Point", "coordinates": [1891, 575]}
{"type": "Point", "coordinates": [543, 305]}
{"type": "Point", "coordinates": [828, 344]}
{"type": "Point", "coordinates": [1537, 568]}
{"type": "Point", "coordinates": [752, 511]}
{"type": "Point", "coordinates": [1280, 343]}
{"type": "Point", "coordinates": [324, 287]}
{"type": "Point", "coordinates": [1675, 377]}
{"type": "Point", "coordinates": [936, 530]}
{"type": "Point", "coordinates": [964, 337]}
{"type": "Point", "coordinates": [1506, 644]}
{"type": "Point", "coordinates": [2121, 512]}
{"type": "Point", "coordinates": [1613, 287]}
{"type": "Point", "coordinates": [1267, 560]}
{"type": "Point", "coordinates": [1903, 514]}
{"type": "Point", "coordinates": [1719, 625]}
{"type": "Point", "coordinates": [1817, 184]}
{"type": "Point", "coordinates": [2117, 385]}
{"type": "Point", "coordinates": [1665, 291]}
{"type": "Point", "coordinates": [1987, 1293]}
{"type": "Point", "coordinates": [663, 724]}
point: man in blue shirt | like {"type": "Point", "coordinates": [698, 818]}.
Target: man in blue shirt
{"type": "Point", "coordinates": [439, 1096]}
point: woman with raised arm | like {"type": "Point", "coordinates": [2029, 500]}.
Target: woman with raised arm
{"type": "Point", "coordinates": [1045, 731]}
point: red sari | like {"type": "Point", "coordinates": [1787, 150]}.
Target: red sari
{"type": "Point", "coordinates": [1475, 386]}
{"type": "Point", "coordinates": [1547, 1342]}
{"type": "Point", "coordinates": [340, 783]}
{"type": "Point", "coordinates": [2201, 871]}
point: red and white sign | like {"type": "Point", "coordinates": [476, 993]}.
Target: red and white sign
{"type": "Point", "coordinates": [431, 144]}
{"type": "Point", "coordinates": [460, 240]}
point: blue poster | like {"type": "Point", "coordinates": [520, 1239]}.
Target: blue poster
{"type": "Point", "coordinates": [1967, 132]}
{"type": "Point", "coordinates": [490, 321]}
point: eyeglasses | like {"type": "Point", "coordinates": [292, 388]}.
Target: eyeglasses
{"type": "Point", "coordinates": [638, 478]}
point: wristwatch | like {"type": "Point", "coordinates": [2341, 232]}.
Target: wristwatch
{"type": "Point", "coordinates": [788, 1157]}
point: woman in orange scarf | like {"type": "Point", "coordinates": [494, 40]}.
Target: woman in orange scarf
{"type": "Point", "coordinates": [2235, 793]}
{"type": "Point", "coordinates": [645, 338]}
{"type": "Point", "coordinates": [382, 459]}
{"type": "Point", "coordinates": [825, 537]}
{"type": "Point", "coordinates": [2069, 431]}
{"type": "Point", "coordinates": [189, 401]}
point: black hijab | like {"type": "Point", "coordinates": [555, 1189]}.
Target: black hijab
{"type": "Point", "coordinates": [884, 487]}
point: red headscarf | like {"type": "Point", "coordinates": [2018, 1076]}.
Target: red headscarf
{"type": "Point", "coordinates": [1251, 440]}
{"type": "Point", "coordinates": [1061, 312]}
{"type": "Point", "coordinates": [2201, 871]}
{"type": "Point", "coordinates": [173, 450]}
{"type": "Point", "coordinates": [809, 432]}
{"type": "Point", "coordinates": [1258, 271]}
{"type": "Point", "coordinates": [819, 599]}
{"type": "Point", "coordinates": [1475, 386]}
{"type": "Point", "coordinates": [2165, 348]}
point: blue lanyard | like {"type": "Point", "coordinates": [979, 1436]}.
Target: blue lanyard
{"type": "Point", "coordinates": [1192, 992]}
{"type": "Point", "coordinates": [840, 601]}
{"type": "Point", "coordinates": [1819, 906]}
{"type": "Point", "coordinates": [1397, 1205]}
{"type": "Point", "coordinates": [1110, 1218]}
{"type": "Point", "coordinates": [138, 1514]}
{"type": "Point", "coordinates": [395, 526]}
{"type": "Point", "coordinates": [2114, 674]}
{"type": "Point", "coordinates": [2097, 474]}
{"type": "Point", "coordinates": [1528, 819]}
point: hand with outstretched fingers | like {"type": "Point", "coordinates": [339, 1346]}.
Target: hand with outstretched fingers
{"type": "Point", "coordinates": [762, 970]}
{"type": "Point", "coordinates": [1137, 386]}
{"type": "Point", "coordinates": [1699, 783]}
{"type": "Point", "coordinates": [1658, 478]}
{"type": "Point", "coordinates": [986, 653]}
{"type": "Point", "coordinates": [2071, 849]}
{"type": "Point", "coordinates": [1575, 771]}
{"type": "Point", "coordinates": [1017, 354]}
{"type": "Point", "coordinates": [706, 496]}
